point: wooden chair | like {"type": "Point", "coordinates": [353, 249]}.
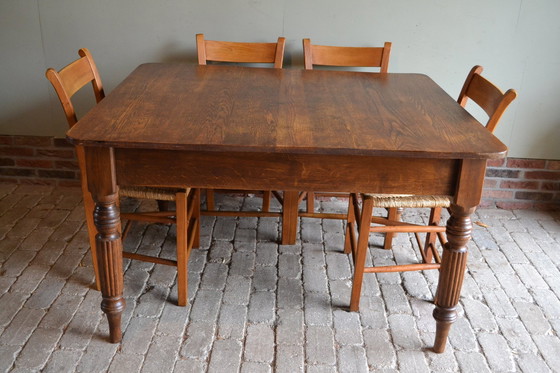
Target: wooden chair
{"type": "Point", "coordinates": [326, 55]}
{"type": "Point", "coordinates": [494, 102]}
{"type": "Point", "coordinates": [66, 83]}
{"type": "Point", "coordinates": [236, 52]}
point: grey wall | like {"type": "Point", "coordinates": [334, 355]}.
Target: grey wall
{"type": "Point", "coordinates": [517, 41]}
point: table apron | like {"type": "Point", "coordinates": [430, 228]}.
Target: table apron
{"type": "Point", "coordinates": [267, 171]}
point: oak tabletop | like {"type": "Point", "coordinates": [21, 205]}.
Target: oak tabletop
{"type": "Point", "coordinates": [243, 109]}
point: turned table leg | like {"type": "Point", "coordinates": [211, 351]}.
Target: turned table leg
{"type": "Point", "coordinates": [102, 185]}
{"type": "Point", "coordinates": [451, 274]}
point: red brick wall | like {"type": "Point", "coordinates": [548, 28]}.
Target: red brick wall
{"type": "Point", "coordinates": [522, 183]}
{"type": "Point", "coordinates": [38, 160]}
{"type": "Point", "coordinates": [510, 183]}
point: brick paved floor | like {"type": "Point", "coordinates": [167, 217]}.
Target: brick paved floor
{"type": "Point", "coordinates": [256, 306]}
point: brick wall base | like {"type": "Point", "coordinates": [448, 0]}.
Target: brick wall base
{"type": "Point", "coordinates": [511, 183]}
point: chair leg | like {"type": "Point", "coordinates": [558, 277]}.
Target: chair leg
{"type": "Point", "coordinates": [431, 237]}
{"type": "Point", "coordinates": [361, 251]}
{"type": "Point", "coordinates": [310, 202]}
{"type": "Point", "coordinates": [182, 250]}
{"type": "Point", "coordinates": [267, 194]}
{"type": "Point", "coordinates": [394, 214]}
{"type": "Point", "coordinates": [210, 204]}
{"type": "Point", "coordinates": [196, 217]}
{"type": "Point", "coordinates": [89, 206]}
{"type": "Point", "coordinates": [350, 221]}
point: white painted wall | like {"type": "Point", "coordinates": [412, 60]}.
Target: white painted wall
{"type": "Point", "coordinates": [517, 41]}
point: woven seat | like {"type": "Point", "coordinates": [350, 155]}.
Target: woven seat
{"type": "Point", "coordinates": [236, 52]}
{"type": "Point", "coordinates": [161, 194]}
{"type": "Point", "coordinates": [361, 221]}
{"type": "Point", "coordinates": [408, 200]}
{"type": "Point", "coordinates": [327, 55]}
{"type": "Point", "coordinates": [66, 83]}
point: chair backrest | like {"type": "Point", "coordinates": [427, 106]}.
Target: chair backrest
{"type": "Point", "coordinates": [72, 78]}
{"type": "Point", "coordinates": [326, 55]}
{"type": "Point", "coordinates": [228, 51]}
{"type": "Point", "coordinates": [486, 95]}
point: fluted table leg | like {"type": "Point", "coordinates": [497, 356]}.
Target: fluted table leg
{"type": "Point", "coordinates": [101, 177]}
{"type": "Point", "coordinates": [451, 274]}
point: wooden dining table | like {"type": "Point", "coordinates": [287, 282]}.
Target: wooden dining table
{"type": "Point", "coordinates": [291, 130]}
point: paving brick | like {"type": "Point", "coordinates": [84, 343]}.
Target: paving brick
{"type": "Point", "coordinates": [21, 327]}
{"type": "Point", "coordinates": [38, 349]}
{"type": "Point", "coordinates": [237, 290]}
{"type": "Point", "coordinates": [265, 278]}
{"type": "Point", "coordinates": [173, 319]}
{"type": "Point", "coordinates": [199, 338]}
{"type": "Point", "coordinates": [380, 351]}
{"type": "Point", "coordinates": [81, 329]}
{"type": "Point", "coordinates": [97, 356]}
{"type": "Point", "coordinates": [518, 338]}
{"type": "Point", "coordinates": [45, 294]}
{"type": "Point", "coordinates": [190, 366]}
{"type": "Point", "coordinates": [549, 345]}
{"type": "Point", "coordinates": [352, 359]}
{"type": "Point", "coordinates": [338, 266]}
{"type": "Point", "coordinates": [226, 356]}
{"type": "Point", "coordinates": [221, 252]}
{"type": "Point", "coordinates": [395, 299]}
{"type": "Point", "coordinates": [245, 240]}
{"type": "Point", "coordinates": [317, 309]}
{"type": "Point", "coordinates": [290, 293]}
{"type": "Point", "coordinates": [479, 315]}
{"type": "Point", "coordinates": [531, 363]}
{"type": "Point", "coordinates": [126, 362]}
{"type": "Point", "coordinates": [224, 229]}
{"type": "Point", "coordinates": [497, 352]}
{"type": "Point", "coordinates": [499, 303]}
{"type": "Point", "coordinates": [63, 361]}
{"type": "Point", "coordinates": [372, 312]}
{"type": "Point", "coordinates": [404, 332]}
{"type": "Point", "coordinates": [315, 279]}
{"type": "Point", "coordinates": [161, 354]}
{"type": "Point", "coordinates": [289, 359]}
{"type": "Point", "coordinates": [267, 230]}
{"type": "Point", "coordinates": [412, 361]}
{"type": "Point", "coordinates": [472, 362]}
{"type": "Point", "coordinates": [206, 305]}
{"type": "Point", "coordinates": [347, 328]}
{"type": "Point", "coordinates": [267, 254]}
{"type": "Point", "coordinates": [259, 343]}
{"type": "Point", "coordinates": [513, 287]}
{"type": "Point", "coordinates": [11, 304]}
{"type": "Point", "coordinates": [242, 263]}
{"type": "Point", "coordinates": [232, 321]}
{"type": "Point", "coordinates": [61, 312]}
{"type": "Point", "coordinates": [17, 263]}
{"type": "Point", "coordinates": [320, 345]}
{"type": "Point", "coordinates": [311, 231]}
{"type": "Point", "coordinates": [252, 367]}
{"type": "Point", "coordinates": [150, 304]}
{"type": "Point", "coordinates": [8, 355]}
{"type": "Point", "coordinates": [320, 369]}
{"type": "Point", "coordinates": [290, 327]}
{"type": "Point", "coordinates": [214, 276]}
{"type": "Point", "coordinates": [289, 266]}
{"type": "Point", "coordinates": [30, 278]}
{"type": "Point", "coordinates": [548, 302]}
{"type": "Point", "coordinates": [262, 307]}
{"type": "Point", "coordinates": [49, 253]}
